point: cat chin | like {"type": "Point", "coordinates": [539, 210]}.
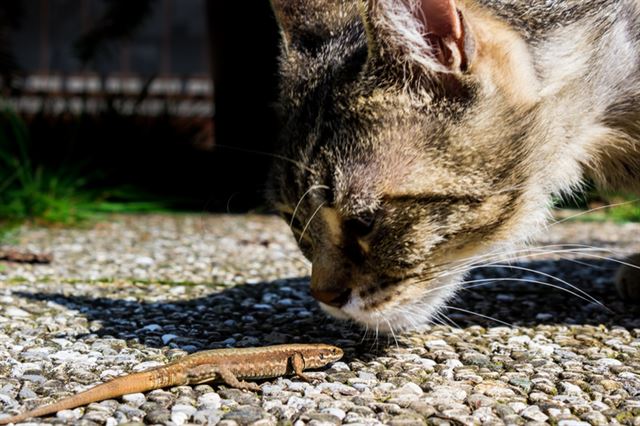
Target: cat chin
{"type": "Point", "coordinates": [396, 316]}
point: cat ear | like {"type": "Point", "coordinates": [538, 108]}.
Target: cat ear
{"type": "Point", "coordinates": [303, 21]}
{"type": "Point", "coordinates": [429, 33]}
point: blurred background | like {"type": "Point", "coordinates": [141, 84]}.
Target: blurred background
{"type": "Point", "coordinates": [138, 106]}
{"type": "Point", "coordinates": [114, 105]}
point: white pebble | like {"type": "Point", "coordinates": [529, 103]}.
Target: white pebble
{"type": "Point", "coordinates": [367, 376]}
{"type": "Point", "coordinates": [570, 388]}
{"type": "Point", "coordinates": [207, 417]}
{"type": "Point", "coordinates": [144, 261]}
{"type": "Point", "coordinates": [505, 298]}
{"type": "Point", "coordinates": [110, 373]}
{"type": "Point", "coordinates": [519, 340]}
{"type": "Point", "coordinates": [335, 412]}
{"type": "Point", "coordinates": [67, 355]}
{"type": "Point", "coordinates": [179, 418]}
{"type": "Point", "coordinates": [184, 408]}
{"type": "Point", "coordinates": [543, 316]}
{"type": "Point", "coordinates": [542, 349]}
{"type": "Point", "coordinates": [518, 407]}
{"type": "Point", "coordinates": [262, 307]}
{"type": "Point", "coordinates": [268, 390]}
{"type": "Point", "coordinates": [68, 415]}
{"type": "Point", "coordinates": [211, 400]}
{"type": "Point", "coordinates": [435, 344]}
{"type": "Point", "coordinates": [7, 400]}
{"type": "Point", "coordinates": [134, 399]}
{"type": "Point", "coordinates": [411, 389]}
{"type": "Point", "coordinates": [609, 362]}
{"type": "Point", "coordinates": [360, 387]}
{"type": "Point", "coordinates": [453, 363]}
{"type": "Point", "coordinates": [180, 413]}
{"type": "Point", "coordinates": [168, 337]}
{"type": "Point", "coordinates": [337, 387]}
{"type": "Point", "coordinates": [534, 413]}
{"type": "Point", "coordinates": [271, 404]}
{"type": "Point", "coordinates": [300, 403]}
{"type": "Point", "coordinates": [178, 290]}
{"type": "Point", "coordinates": [340, 366]}
{"type": "Point", "coordinates": [297, 386]}
{"type": "Point", "coordinates": [448, 393]}
{"type": "Point", "coordinates": [427, 364]}
{"type": "Point", "coordinates": [61, 342]}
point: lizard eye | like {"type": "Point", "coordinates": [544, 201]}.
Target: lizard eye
{"type": "Point", "coordinates": [321, 356]}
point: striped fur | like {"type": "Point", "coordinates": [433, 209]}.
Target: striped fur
{"type": "Point", "coordinates": [399, 168]}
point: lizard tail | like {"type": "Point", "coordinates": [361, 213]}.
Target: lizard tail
{"type": "Point", "coordinates": [137, 382]}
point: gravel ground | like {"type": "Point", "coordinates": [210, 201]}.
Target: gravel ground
{"type": "Point", "coordinates": [135, 292]}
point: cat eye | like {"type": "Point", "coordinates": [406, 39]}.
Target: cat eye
{"type": "Point", "coordinates": [360, 226]}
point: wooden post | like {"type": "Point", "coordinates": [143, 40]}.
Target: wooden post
{"type": "Point", "coordinates": [244, 44]}
{"type": "Point", "coordinates": [165, 54]}
{"type": "Point", "coordinates": [44, 36]}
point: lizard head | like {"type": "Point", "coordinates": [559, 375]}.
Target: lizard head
{"type": "Point", "coordinates": [320, 355]}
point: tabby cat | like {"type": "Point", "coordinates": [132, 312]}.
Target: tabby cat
{"type": "Point", "coordinates": [420, 134]}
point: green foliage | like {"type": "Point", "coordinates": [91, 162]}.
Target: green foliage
{"type": "Point", "coordinates": [624, 208]}
{"type": "Point", "coordinates": [31, 189]}
{"type": "Point", "coordinates": [28, 190]}
{"type": "Point", "coordinates": [597, 206]}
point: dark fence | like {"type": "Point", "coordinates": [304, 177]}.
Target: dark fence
{"type": "Point", "coordinates": [196, 74]}
{"type": "Point", "coordinates": [163, 68]}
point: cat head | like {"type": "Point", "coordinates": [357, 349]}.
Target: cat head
{"type": "Point", "coordinates": [405, 149]}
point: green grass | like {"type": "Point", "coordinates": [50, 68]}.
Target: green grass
{"type": "Point", "coordinates": [37, 191]}
{"type": "Point", "coordinates": [628, 209]}
{"type": "Point", "coordinates": [599, 206]}
{"type": "Point", "coordinates": [619, 208]}
{"type": "Point", "coordinates": [30, 191]}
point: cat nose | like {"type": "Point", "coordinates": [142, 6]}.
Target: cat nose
{"type": "Point", "coordinates": [336, 298]}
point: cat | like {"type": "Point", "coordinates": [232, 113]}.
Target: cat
{"type": "Point", "coordinates": [421, 135]}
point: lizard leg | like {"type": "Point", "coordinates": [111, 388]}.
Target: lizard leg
{"type": "Point", "coordinates": [297, 361]}
{"type": "Point", "coordinates": [229, 378]}
{"type": "Point", "coordinates": [203, 374]}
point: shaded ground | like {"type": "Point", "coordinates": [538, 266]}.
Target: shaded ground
{"type": "Point", "coordinates": [142, 290]}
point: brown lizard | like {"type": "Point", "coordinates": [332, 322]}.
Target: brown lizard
{"type": "Point", "coordinates": [230, 366]}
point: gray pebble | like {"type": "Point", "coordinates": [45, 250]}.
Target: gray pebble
{"type": "Point", "coordinates": [158, 416]}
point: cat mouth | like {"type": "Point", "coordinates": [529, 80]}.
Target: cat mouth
{"type": "Point", "coordinates": [412, 306]}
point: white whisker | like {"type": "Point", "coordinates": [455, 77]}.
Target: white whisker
{"type": "Point", "coordinates": [480, 315]}
{"type": "Point", "coordinates": [309, 221]}
{"type": "Point", "coordinates": [390, 329]}
{"type": "Point", "coordinates": [521, 268]}
{"type": "Point", "coordinates": [525, 280]}
{"type": "Point", "coordinates": [295, 211]}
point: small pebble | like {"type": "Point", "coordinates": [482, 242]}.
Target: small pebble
{"type": "Point", "coordinates": [166, 338]}
{"type": "Point", "coordinates": [139, 291]}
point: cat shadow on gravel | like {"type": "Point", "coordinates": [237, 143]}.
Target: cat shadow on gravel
{"type": "Point", "coordinates": [284, 312]}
